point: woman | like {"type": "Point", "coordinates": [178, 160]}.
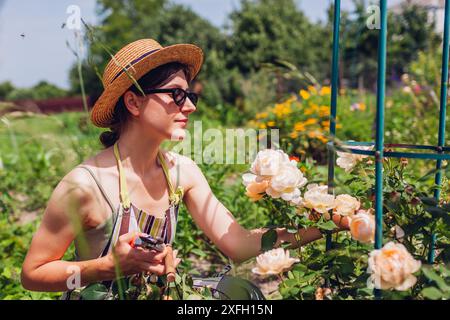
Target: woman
{"type": "Point", "coordinates": [128, 186]}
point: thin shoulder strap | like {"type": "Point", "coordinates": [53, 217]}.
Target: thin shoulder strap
{"type": "Point", "coordinates": [175, 195]}
{"type": "Point", "coordinates": [99, 186]}
{"type": "Point", "coordinates": [122, 180]}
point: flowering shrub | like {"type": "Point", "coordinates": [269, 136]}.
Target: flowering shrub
{"type": "Point", "coordinates": [352, 268]}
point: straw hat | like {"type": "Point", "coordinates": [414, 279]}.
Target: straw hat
{"type": "Point", "coordinates": [135, 60]}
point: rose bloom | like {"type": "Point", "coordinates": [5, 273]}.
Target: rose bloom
{"type": "Point", "coordinates": [255, 186]}
{"type": "Point", "coordinates": [362, 227]}
{"type": "Point", "coordinates": [286, 183]}
{"type": "Point", "coordinates": [269, 162]}
{"type": "Point", "coordinates": [322, 292]}
{"type": "Point", "coordinates": [346, 205]}
{"type": "Point", "coordinates": [273, 262]}
{"type": "Point", "coordinates": [348, 161]}
{"type": "Point", "coordinates": [392, 267]}
{"type": "Point", "coordinates": [316, 197]}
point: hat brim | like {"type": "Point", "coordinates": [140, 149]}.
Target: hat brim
{"type": "Point", "coordinates": [188, 54]}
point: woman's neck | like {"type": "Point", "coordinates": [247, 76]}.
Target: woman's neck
{"type": "Point", "coordinates": [138, 153]}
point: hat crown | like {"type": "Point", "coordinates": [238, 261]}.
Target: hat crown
{"type": "Point", "coordinates": [125, 57]}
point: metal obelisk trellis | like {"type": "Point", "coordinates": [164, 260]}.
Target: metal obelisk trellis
{"type": "Point", "coordinates": [379, 153]}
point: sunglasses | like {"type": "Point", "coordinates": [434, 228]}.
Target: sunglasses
{"type": "Point", "coordinates": [179, 95]}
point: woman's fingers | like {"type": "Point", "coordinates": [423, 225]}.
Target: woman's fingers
{"type": "Point", "coordinates": [150, 255]}
{"type": "Point", "coordinates": [342, 222]}
{"type": "Point", "coordinates": [158, 269]}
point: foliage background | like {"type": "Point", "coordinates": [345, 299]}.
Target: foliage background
{"type": "Point", "coordinates": [268, 53]}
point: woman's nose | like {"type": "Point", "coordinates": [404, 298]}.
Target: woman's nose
{"type": "Point", "coordinates": [188, 106]}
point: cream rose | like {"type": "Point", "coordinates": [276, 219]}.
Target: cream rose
{"type": "Point", "coordinates": [269, 162]}
{"type": "Point", "coordinates": [316, 197]}
{"type": "Point", "coordinates": [392, 267]}
{"type": "Point", "coordinates": [286, 183]}
{"type": "Point", "coordinates": [346, 205]}
{"type": "Point", "coordinates": [273, 262]}
{"type": "Point", "coordinates": [348, 160]}
{"type": "Point", "coordinates": [362, 227]}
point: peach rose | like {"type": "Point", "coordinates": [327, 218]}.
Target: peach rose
{"type": "Point", "coordinates": [348, 160]}
{"type": "Point", "coordinates": [274, 261]}
{"type": "Point", "coordinates": [323, 293]}
{"type": "Point", "coordinates": [362, 227]}
{"type": "Point", "coordinates": [392, 267]}
{"type": "Point", "coordinates": [316, 197]}
{"type": "Point", "coordinates": [269, 162]}
{"type": "Point", "coordinates": [346, 205]}
{"type": "Point", "coordinates": [286, 183]}
{"type": "Point", "coordinates": [255, 186]}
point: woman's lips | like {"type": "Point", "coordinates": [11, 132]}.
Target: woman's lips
{"type": "Point", "coordinates": [184, 121]}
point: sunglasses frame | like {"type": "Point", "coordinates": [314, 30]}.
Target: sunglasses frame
{"type": "Point", "coordinates": [186, 94]}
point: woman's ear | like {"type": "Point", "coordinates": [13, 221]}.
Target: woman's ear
{"type": "Point", "coordinates": [133, 102]}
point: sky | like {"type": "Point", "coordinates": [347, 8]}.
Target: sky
{"type": "Point", "coordinates": [33, 44]}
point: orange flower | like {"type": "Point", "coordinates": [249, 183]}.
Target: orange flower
{"type": "Point", "coordinates": [310, 121]}
{"type": "Point", "coordinates": [312, 89]}
{"type": "Point", "coordinates": [325, 91]}
{"type": "Point", "coordinates": [299, 126]}
{"type": "Point", "coordinates": [324, 111]}
{"type": "Point", "coordinates": [293, 135]}
{"type": "Point", "coordinates": [305, 94]}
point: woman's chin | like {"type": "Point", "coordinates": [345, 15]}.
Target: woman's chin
{"type": "Point", "coordinates": [178, 135]}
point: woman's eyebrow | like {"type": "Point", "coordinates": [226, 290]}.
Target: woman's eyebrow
{"type": "Point", "coordinates": [177, 86]}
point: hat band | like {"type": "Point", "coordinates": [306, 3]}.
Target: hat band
{"type": "Point", "coordinates": [132, 63]}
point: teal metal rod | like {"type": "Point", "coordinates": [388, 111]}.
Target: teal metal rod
{"type": "Point", "coordinates": [442, 114]}
{"type": "Point", "coordinates": [379, 141]}
{"type": "Point", "coordinates": [334, 95]}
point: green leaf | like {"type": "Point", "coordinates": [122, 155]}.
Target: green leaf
{"type": "Point", "coordinates": [198, 252]}
{"type": "Point", "coordinates": [291, 230]}
{"type": "Point", "coordinates": [269, 239]}
{"type": "Point", "coordinates": [432, 293]}
{"type": "Point", "coordinates": [96, 291]}
{"type": "Point", "coordinates": [329, 225]}
{"type": "Point", "coordinates": [432, 275]}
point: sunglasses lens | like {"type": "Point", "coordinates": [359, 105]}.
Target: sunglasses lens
{"type": "Point", "coordinates": [193, 97]}
{"type": "Point", "coordinates": [179, 96]}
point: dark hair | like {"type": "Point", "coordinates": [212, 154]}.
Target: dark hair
{"type": "Point", "coordinates": [153, 79]}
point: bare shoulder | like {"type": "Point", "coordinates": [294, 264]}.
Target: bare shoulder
{"type": "Point", "coordinates": [77, 189]}
{"type": "Point", "coordinates": [190, 173]}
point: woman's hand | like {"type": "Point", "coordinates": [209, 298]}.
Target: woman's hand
{"type": "Point", "coordinates": [342, 222]}
{"type": "Point", "coordinates": [136, 260]}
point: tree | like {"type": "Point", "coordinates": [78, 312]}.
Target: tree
{"type": "Point", "coordinates": [5, 88]}
{"type": "Point", "coordinates": [128, 20]}
{"type": "Point", "coordinates": [43, 90]}
{"type": "Point", "coordinates": [268, 30]}
{"type": "Point", "coordinates": [408, 33]}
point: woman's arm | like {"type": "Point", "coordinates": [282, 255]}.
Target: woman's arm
{"type": "Point", "coordinates": [43, 269]}
{"type": "Point", "coordinates": [68, 211]}
{"type": "Point", "coordinates": [220, 226]}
